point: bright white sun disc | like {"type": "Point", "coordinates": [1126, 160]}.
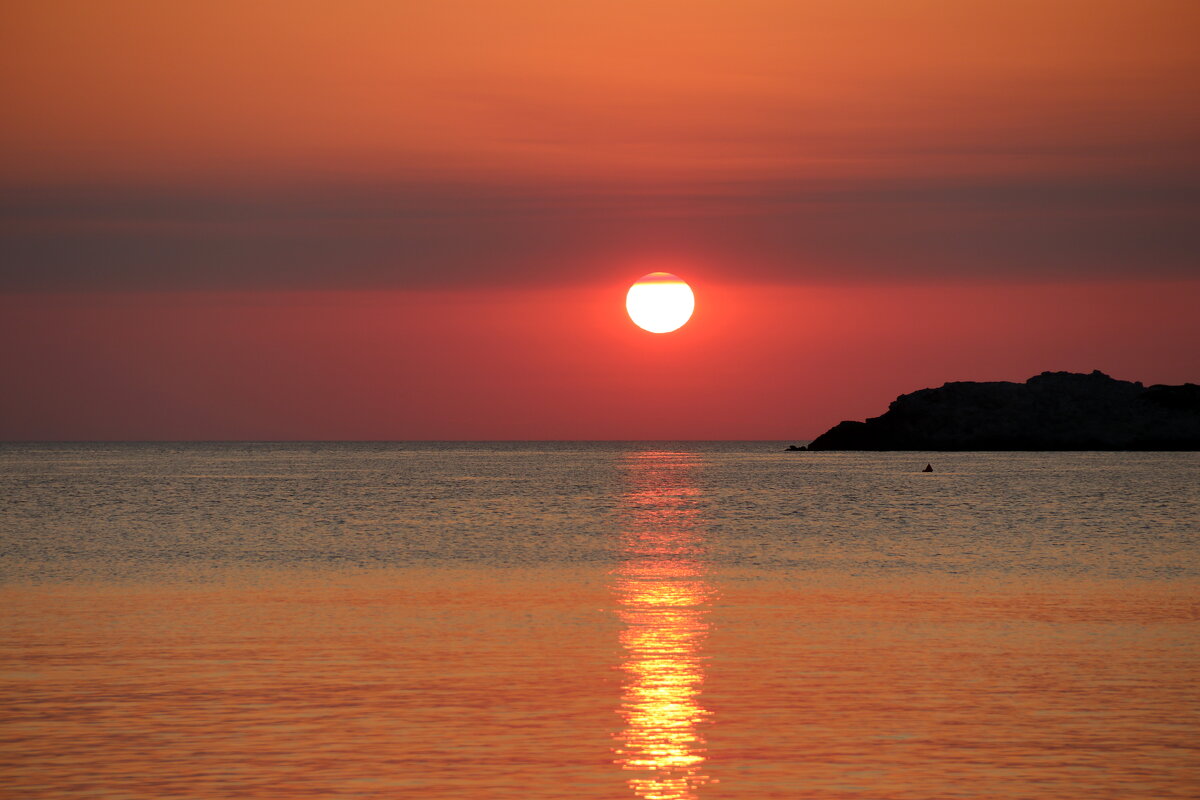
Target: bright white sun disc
{"type": "Point", "coordinates": [660, 302]}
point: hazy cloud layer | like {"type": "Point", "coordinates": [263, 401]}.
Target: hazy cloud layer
{"type": "Point", "coordinates": [434, 235]}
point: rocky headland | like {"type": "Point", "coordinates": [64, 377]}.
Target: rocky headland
{"type": "Point", "coordinates": [1051, 411]}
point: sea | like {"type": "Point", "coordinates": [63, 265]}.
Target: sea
{"type": "Point", "coordinates": [657, 620]}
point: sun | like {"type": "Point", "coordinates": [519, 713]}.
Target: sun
{"type": "Point", "coordinates": [660, 302]}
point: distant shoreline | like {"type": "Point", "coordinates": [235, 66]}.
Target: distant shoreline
{"type": "Point", "coordinates": [1052, 412]}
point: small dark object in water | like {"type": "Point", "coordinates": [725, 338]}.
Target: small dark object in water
{"type": "Point", "coordinates": [791, 448]}
{"type": "Point", "coordinates": [928, 468]}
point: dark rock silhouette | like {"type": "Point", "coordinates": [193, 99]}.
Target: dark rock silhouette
{"type": "Point", "coordinates": [928, 468]}
{"type": "Point", "coordinates": [791, 448]}
{"type": "Point", "coordinates": [1051, 411]}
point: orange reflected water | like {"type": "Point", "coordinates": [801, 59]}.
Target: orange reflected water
{"type": "Point", "coordinates": [867, 659]}
{"type": "Point", "coordinates": [663, 602]}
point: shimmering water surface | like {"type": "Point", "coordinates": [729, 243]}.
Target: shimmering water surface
{"type": "Point", "coordinates": [670, 621]}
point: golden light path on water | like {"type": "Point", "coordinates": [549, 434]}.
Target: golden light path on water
{"type": "Point", "coordinates": [663, 602]}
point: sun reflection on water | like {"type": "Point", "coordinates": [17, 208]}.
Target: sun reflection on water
{"type": "Point", "coordinates": [663, 601]}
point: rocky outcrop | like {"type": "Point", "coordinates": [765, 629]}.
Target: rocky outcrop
{"type": "Point", "coordinates": [1051, 411]}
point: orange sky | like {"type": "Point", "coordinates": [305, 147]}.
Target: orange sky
{"type": "Point", "coordinates": [680, 90]}
{"type": "Point", "coordinates": [228, 219]}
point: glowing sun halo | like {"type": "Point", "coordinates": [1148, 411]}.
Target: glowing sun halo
{"type": "Point", "coordinates": [660, 302]}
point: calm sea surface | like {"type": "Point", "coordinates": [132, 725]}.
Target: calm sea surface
{"type": "Point", "coordinates": [644, 620]}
